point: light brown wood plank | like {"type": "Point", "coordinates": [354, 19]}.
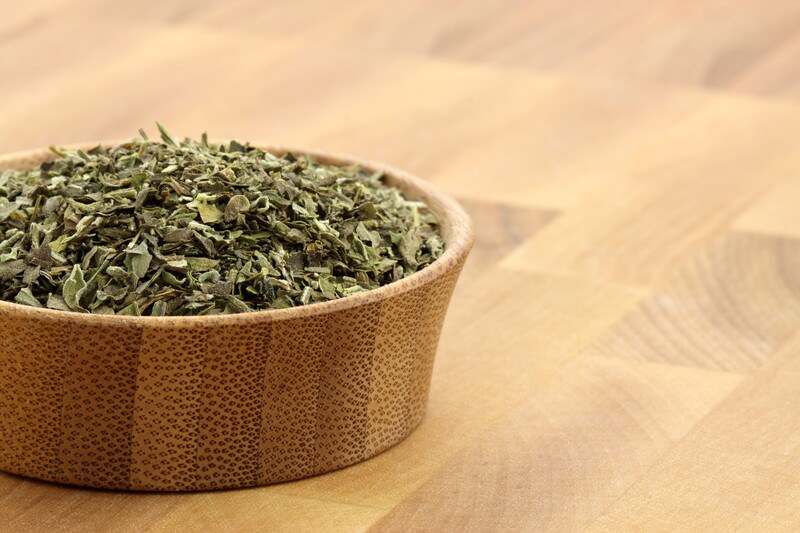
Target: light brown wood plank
{"type": "Point", "coordinates": [569, 451]}
{"type": "Point", "coordinates": [499, 229]}
{"type": "Point", "coordinates": [27, 505]}
{"type": "Point", "coordinates": [642, 226]}
{"type": "Point", "coordinates": [736, 471]}
{"type": "Point", "coordinates": [103, 85]}
{"type": "Point", "coordinates": [263, 511]}
{"type": "Point", "coordinates": [731, 307]}
{"type": "Point", "coordinates": [776, 212]}
{"type": "Point", "coordinates": [740, 46]}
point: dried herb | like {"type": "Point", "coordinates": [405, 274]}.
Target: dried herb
{"type": "Point", "coordinates": [194, 228]}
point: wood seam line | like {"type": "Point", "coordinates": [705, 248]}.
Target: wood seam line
{"type": "Point", "coordinates": [571, 75]}
{"type": "Point", "coordinates": [199, 412]}
{"type": "Point", "coordinates": [745, 382]}
{"type": "Point", "coordinates": [565, 275]}
{"type": "Point", "coordinates": [263, 405]}
{"type": "Point", "coordinates": [761, 234]}
{"type": "Point", "coordinates": [140, 344]}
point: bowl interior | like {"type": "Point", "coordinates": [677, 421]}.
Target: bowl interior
{"type": "Point", "coordinates": [455, 226]}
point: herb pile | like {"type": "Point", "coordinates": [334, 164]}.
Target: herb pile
{"type": "Point", "coordinates": [196, 228]}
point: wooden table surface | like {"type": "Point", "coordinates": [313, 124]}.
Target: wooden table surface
{"type": "Point", "coordinates": [623, 350]}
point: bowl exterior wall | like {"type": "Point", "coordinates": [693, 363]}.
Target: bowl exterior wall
{"type": "Point", "coordinates": [146, 406]}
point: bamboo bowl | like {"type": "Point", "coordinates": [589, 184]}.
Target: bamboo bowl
{"type": "Point", "coordinates": [196, 403]}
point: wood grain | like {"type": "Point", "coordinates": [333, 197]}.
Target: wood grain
{"type": "Point", "coordinates": [730, 307]}
{"type": "Point", "coordinates": [775, 212]}
{"type": "Point", "coordinates": [624, 352]}
{"type": "Point", "coordinates": [742, 459]}
{"type": "Point", "coordinates": [557, 450]}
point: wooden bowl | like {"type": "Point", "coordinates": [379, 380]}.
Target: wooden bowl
{"type": "Point", "coordinates": [195, 403]}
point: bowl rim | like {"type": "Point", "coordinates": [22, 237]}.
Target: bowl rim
{"type": "Point", "coordinates": [454, 222]}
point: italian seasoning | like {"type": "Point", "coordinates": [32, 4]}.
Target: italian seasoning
{"type": "Point", "coordinates": [195, 228]}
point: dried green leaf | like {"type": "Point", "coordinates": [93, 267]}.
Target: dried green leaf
{"type": "Point", "coordinates": [26, 297]}
{"type": "Point", "coordinates": [73, 288]}
{"type": "Point", "coordinates": [118, 273]}
{"type": "Point", "coordinates": [11, 269]}
{"type": "Point", "coordinates": [409, 247]}
{"type": "Point", "coordinates": [131, 310]}
{"type": "Point", "coordinates": [209, 213]}
{"type": "Point", "coordinates": [175, 235]}
{"type": "Point", "coordinates": [201, 264]}
{"type": "Point", "coordinates": [236, 205]}
{"type": "Point", "coordinates": [31, 274]}
{"type": "Point", "coordinates": [40, 256]}
{"type": "Point", "coordinates": [159, 308]}
{"type": "Point", "coordinates": [137, 261]}
{"type": "Point", "coordinates": [56, 302]}
{"type": "Point", "coordinates": [236, 305]}
{"type": "Point", "coordinates": [166, 136]}
{"type": "Point", "coordinates": [6, 208]}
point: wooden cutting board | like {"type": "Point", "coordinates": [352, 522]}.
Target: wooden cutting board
{"type": "Point", "coordinates": [623, 352]}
